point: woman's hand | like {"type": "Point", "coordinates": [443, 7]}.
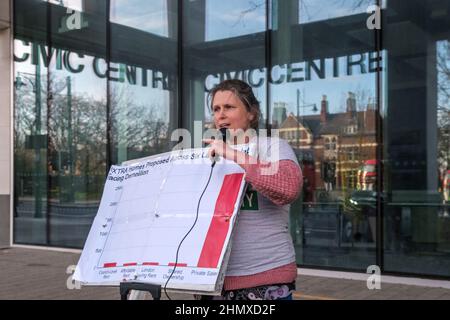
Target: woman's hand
{"type": "Point", "coordinates": [220, 148]}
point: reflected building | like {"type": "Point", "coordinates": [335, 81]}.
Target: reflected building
{"type": "Point", "coordinates": [338, 144]}
{"type": "Point", "coordinates": [279, 114]}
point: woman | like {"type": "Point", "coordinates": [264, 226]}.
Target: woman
{"type": "Point", "coordinates": [262, 259]}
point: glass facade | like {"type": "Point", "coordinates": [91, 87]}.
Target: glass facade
{"type": "Point", "coordinates": [359, 88]}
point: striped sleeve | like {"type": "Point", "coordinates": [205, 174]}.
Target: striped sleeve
{"type": "Point", "coordinates": [282, 186]}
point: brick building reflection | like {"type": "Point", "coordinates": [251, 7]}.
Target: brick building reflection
{"type": "Point", "coordinates": [332, 147]}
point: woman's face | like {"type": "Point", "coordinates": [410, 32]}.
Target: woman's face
{"type": "Point", "coordinates": [229, 111]}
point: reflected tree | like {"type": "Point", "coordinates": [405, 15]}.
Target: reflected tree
{"type": "Point", "coordinates": [443, 69]}
{"type": "Point", "coordinates": [252, 6]}
{"type": "Point", "coordinates": [137, 127]}
{"type": "Point", "coordinates": [354, 5]}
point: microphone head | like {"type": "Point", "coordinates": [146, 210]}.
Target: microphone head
{"type": "Point", "coordinates": [223, 131]}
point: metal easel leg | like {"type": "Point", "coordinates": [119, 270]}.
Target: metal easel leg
{"type": "Point", "coordinates": [126, 287]}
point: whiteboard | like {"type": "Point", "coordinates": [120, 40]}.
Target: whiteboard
{"type": "Point", "coordinates": [147, 207]}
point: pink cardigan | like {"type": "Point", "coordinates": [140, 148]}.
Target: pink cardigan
{"type": "Point", "coordinates": [281, 188]}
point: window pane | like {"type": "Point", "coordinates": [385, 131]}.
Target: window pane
{"type": "Point", "coordinates": [152, 17]}
{"type": "Point", "coordinates": [325, 77]}
{"type": "Point", "coordinates": [72, 4]}
{"type": "Point", "coordinates": [416, 160]}
{"type": "Point", "coordinates": [143, 83]}
{"type": "Point", "coordinates": [30, 126]}
{"type": "Point", "coordinates": [217, 46]}
{"type": "Point", "coordinates": [232, 18]}
{"type": "Point", "coordinates": [77, 121]}
{"type": "Point", "coordinates": [319, 10]}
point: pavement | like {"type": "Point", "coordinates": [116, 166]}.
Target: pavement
{"type": "Point", "coordinates": [30, 274]}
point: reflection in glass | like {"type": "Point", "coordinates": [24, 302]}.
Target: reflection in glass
{"type": "Point", "coordinates": [77, 151]}
{"type": "Point", "coordinates": [140, 121]}
{"type": "Point", "coordinates": [60, 139]}
{"type": "Point", "coordinates": [72, 4]}
{"type": "Point", "coordinates": [221, 40]}
{"type": "Point", "coordinates": [322, 102]}
{"type": "Point", "coordinates": [319, 10]}
{"type": "Point", "coordinates": [316, 73]}
{"type": "Point", "coordinates": [30, 125]}
{"type": "Point", "coordinates": [151, 17]}
{"type": "Point", "coordinates": [232, 18]}
{"type": "Point", "coordinates": [30, 149]}
{"type": "Point", "coordinates": [417, 223]}
{"type": "Point", "coordinates": [142, 86]}
{"type": "Point", "coordinates": [443, 118]}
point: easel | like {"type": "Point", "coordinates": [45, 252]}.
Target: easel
{"type": "Point", "coordinates": [137, 290]}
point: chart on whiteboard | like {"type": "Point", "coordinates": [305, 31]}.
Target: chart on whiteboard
{"type": "Point", "coordinates": [145, 211]}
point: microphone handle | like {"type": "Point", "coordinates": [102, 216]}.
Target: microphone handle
{"type": "Point", "coordinates": [223, 131]}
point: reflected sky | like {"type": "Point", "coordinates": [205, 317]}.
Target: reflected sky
{"type": "Point", "coordinates": [140, 15]}
{"type": "Point", "coordinates": [72, 4]}
{"type": "Point", "coordinates": [225, 19]}
{"type": "Point", "coordinates": [317, 10]}
{"type": "Point", "coordinates": [232, 18]}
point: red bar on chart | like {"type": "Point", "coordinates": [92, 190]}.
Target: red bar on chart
{"type": "Point", "coordinates": [150, 264]}
{"type": "Point", "coordinates": [172, 264]}
{"type": "Point", "coordinates": [219, 227]}
{"type": "Point", "coordinates": [110, 265]}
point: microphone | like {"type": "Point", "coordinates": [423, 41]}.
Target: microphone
{"type": "Point", "coordinates": [223, 132]}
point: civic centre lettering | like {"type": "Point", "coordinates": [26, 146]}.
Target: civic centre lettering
{"type": "Point", "coordinates": [318, 69]}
